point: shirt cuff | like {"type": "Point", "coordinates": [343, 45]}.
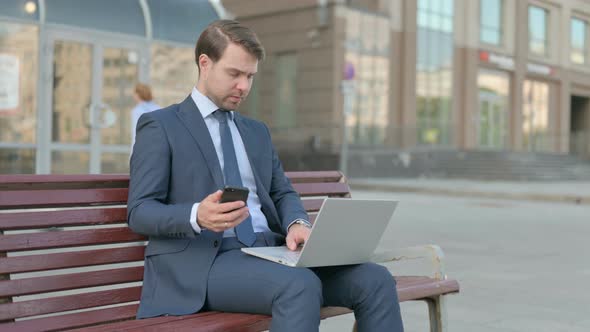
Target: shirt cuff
{"type": "Point", "coordinates": [193, 219]}
{"type": "Point", "coordinates": [299, 221]}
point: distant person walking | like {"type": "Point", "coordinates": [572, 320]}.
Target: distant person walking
{"type": "Point", "coordinates": [143, 97]}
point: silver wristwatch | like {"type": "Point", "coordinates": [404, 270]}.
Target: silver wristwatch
{"type": "Point", "coordinates": [301, 222]}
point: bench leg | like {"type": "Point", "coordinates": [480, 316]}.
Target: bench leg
{"type": "Point", "coordinates": [438, 314]}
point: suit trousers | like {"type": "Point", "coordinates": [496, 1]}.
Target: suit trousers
{"type": "Point", "coordinates": [239, 282]}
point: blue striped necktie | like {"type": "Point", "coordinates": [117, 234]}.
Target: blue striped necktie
{"type": "Point", "coordinates": [231, 172]}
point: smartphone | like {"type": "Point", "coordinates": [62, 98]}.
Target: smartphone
{"type": "Point", "coordinates": [233, 193]}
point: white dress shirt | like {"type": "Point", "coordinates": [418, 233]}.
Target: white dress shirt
{"type": "Point", "coordinates": [207, 107]}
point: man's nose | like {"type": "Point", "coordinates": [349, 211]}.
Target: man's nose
{"type": "Point", "coordinates": [243, 84]}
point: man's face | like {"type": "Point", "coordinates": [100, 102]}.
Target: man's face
{"type": "Point", "coordinates": [227, 82]}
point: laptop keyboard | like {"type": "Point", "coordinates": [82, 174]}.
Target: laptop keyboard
{"type": "Point", "coordinates": [291, 256]}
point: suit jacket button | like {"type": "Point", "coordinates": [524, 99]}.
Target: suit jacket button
{"type": "Point", "coordinates": [215, 243]}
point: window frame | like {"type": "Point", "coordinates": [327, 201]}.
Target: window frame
{"type": "Point", "coordinates": [502, 27]}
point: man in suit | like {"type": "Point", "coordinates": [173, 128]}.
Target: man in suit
{"type": "Point", "coordinates": [184, 154]}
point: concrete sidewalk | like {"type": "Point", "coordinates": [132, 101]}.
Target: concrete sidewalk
{"type": "Point", "coordinates": [575, 192]}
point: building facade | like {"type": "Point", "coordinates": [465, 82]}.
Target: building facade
{"type": "Point", "coordinates": [490, 75]}
{"type": "Point", "coordinates": [498, 75]}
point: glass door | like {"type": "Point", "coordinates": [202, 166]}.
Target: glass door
{"type": "Point", "coordinates": [90, 98]}
{"type": "Point", "coordinates": [491, 124]}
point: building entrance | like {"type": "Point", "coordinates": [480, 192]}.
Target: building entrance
{"type": "Point", "coordinates": [88, 99]}
{"type": "Point", "coordinates": [580, 126]}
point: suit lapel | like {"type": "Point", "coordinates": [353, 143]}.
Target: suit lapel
{"type": "Point", "coordinates": [192, 119]}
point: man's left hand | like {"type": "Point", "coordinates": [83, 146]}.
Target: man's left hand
{"type": "Point", "coordinates": [297, 235]}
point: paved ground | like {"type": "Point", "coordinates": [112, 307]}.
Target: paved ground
{"type": "Point", "coordinates": [576, 192]}
{"type": "Point", "coordinates": [522, 265]}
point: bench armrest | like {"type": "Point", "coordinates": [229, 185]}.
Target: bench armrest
{"type": "Point", "coordinates": [430, 251]}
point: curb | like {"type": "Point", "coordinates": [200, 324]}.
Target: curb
{"type": "Point", "coordinates": [562, 198]}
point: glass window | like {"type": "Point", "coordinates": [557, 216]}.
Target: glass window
{"type": "Point", "coordinates": [181, 22]}
{"type": "Point", "coordinates": [251, 104]}
{"type": "Point", "coordinates": [538, 37]}
{"type": "Point", "coordinates": [119, 76]}
{"type": "Point", "coordinates": [72, 81]}
{"type": "Point", "coordinates": [19, 67]}
{"type": "Point", "coordinates": [70, 162]}
{"type": "Point", "coordinates": [17, 161]}
{"type": "Point", "coordinates": [578, 41]}
{"type": "Point", "coordinates": [434, 70]}
{"type": "Point", "coordinates": [286, 69]}
{"type": "Point", "coordinates": [114, 163]}
{"type": "Point", "coordinates": [368, 52]}
{"type": "Point", "coordinates": [110, 15]}
{"type": "Point", "coordinates": [535, 116]}
{"type": "Point", "coordinates": [490, 14]}
{"type": "Point", "coordinates": [173, 73]}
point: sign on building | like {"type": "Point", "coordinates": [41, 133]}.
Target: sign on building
{"type": "Point", "coordinates": [9, 82]}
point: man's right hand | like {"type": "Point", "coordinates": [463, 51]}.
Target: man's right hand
{"type": "Point", "coordinates": [218, 217]}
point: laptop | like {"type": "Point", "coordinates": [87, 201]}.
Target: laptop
{"type": "Point", "coordinates": [346, 231]}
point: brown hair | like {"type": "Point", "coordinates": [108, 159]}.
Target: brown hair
{"type": "Point", "coordinates": [217, 35]}
{"type": "Point", "coordinates": [143, 92]}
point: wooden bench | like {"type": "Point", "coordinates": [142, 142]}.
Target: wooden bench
{"type": "Point", "coordinates": [68, 260]}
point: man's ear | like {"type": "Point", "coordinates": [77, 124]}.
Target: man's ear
{"type": "Point", "coordinates": [204, 62]}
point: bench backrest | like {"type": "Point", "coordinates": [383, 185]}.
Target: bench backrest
{"type": "Point", "coordinates": [64, 242]}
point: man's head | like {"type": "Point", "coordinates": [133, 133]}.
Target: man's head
{"type": "Point", "coordinates": [227, 55]}
{"type": "Point", "coordinates": [143, 92]}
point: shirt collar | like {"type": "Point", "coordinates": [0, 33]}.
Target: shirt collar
{"type": "Point", "coordinates": [205, 105]}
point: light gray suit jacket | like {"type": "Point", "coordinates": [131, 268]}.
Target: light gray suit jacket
{"type": "Point", "coordinates": [174, 165]}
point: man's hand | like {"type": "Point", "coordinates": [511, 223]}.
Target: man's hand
{"type": "Point", "coordinates": [297, 235]}
{"type": "Point", "coordinates": [218, 217]}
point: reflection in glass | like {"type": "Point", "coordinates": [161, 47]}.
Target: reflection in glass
{"type": "Point", "coordinates": [538, 40]}
{"type": "Point", "coordinates": [19, 67]}
{"type": "Point", "coordinates": [72, 80]}
{"type": "Point", "coordinates": [173, 73]}
{"type": "Point", "coordinates": [119, 76]}
{"type": "Point", "coordinates": [434, 70]}
{"type": "Point", "coordinates": [21, 9]}
{"type": "Point", "coordinates": [286, 91]}
{"type": "Point", "coordinates": [367, 44]}
{"type": "Point", "coordinates": [494, 87]}
{"type": "Point", "coordinates": [69, 162]}
{"type": "Point", "coordinates": [578, 41]}
{"type": "Point", "coordinates": [490, 14]}
{"type": "Point", "coordinates": [114, 163]}
{"type": "Point", "coordinates": [17, 161]}
{"type": "Point", "coordinates": [535, 116]}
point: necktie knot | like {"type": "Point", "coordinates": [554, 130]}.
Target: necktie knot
{"type": "Point", "coordinates": [221, 115]}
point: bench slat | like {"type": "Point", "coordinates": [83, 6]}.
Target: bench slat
{"type": "Point", "coordinates": [425, 289]}
{"type": "Point", "coordinates": [37, 285]}
{"type": "Point", "coordinates": [44, 219]}
{"type": "Point", "coordinates": [29, 180]}
{"type": "Point", "coordinates": [226, 322]}
{"type": "Point", "coordinates": [60, 239]}
{"type": "Point", "coordinates": [68, 302]}
{"type": "Point", "coordinates": [322, 189]}
{"type": "Point", "coordinates": [33, 263]}
{"type": "Point", "coordinates": [315, 176]}
{"type": "Point", "coordinates": [61, 198]}
{"type": "Point", "coordinates": [75, 320]}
